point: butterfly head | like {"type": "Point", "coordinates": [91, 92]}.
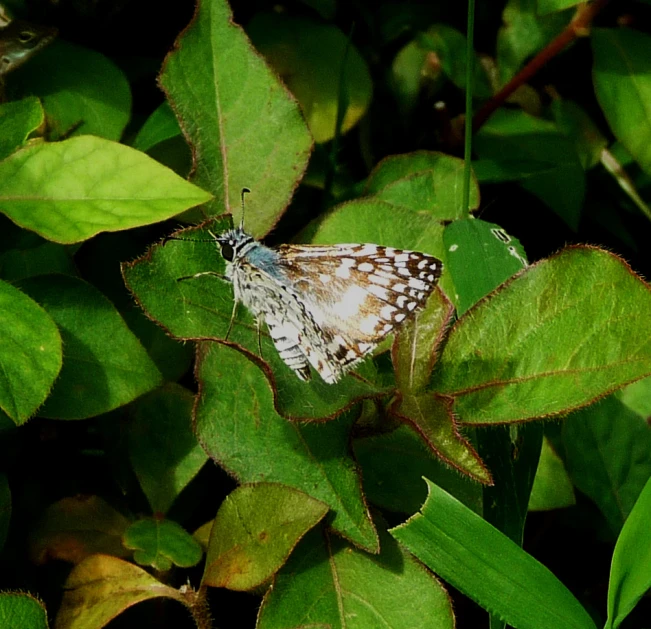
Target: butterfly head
{"type": "Point", "coordinates": [233, 242]}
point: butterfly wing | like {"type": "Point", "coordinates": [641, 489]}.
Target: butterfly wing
{"type": "Point", "coordinates": [355, 295]}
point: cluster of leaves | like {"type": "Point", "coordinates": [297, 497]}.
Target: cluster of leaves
{"type": "Point", "coordinates": [457, 397]}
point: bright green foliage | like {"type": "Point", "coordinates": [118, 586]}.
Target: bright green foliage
{"type": "Point", "coordinates": [258, 142]}
{"type": "Point", "coordinates": [18, 120]}
{"type": "Point", "coordinates": [552, 487]}
{"type": "Point", "coordinates": [162, 447]}
{"type": "Point", "coordinates": [488, 567]}
{"type": "Point", "coordinates": [623, 87]}
{"type": "Point", "coordinates": [69, 191]}
{"type": "Point", "coordinates": [256, 528]}
{"type": "Point", "coordinates": [83, 92]}
{"type": "Point", "coordinates": [30, 354]}
{"type": "Point", "coordinates": [162, 543]}
{"type": "Point", "coordinates": [319, 67]}
{"type": "Point", "coordinates": [560, 335]}
{"type": "Point", "coordinates": [630, 572]}
{"type": "Point", "coordinates": [328, 583]}
{"type": "Point", "coordinates": [19, 610]}
{"type": "Point", "coordinates": [105, 366]}
{"type": "Point", "coordinates": [160, 126]}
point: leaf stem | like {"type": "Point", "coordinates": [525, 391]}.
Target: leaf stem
{"type": "Point", "coordinates": [578, 27]}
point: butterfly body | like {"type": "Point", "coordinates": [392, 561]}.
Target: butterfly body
{"type": "Point", "coordinates": [327, 306]}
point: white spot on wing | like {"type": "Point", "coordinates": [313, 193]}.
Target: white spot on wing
{"type": "Point", "coordinates": [350, 302]}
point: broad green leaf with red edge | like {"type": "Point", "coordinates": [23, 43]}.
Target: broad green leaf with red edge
{"type": "Point", "coordinates": [238, 427]}
{"type": "Point", "coordinates": [623, 87]}
{"type": "Point", "coordinates": [328, 583]}
{"type": "Point", "coordinates": [72, 190]}
{"type": "Point", "coordinates": [558, 336]}
{"type": "Point", "coordinates": [30, 355]}
{"type": "Point", "coordinates": [308, 55]}
{"type": "Point", "coordinates": [102, 587]}
{"type": "Point", "coordinates": [163, 450]}
{"type": "Point", "coordinates": [19, 610]}
{"type": "Point", "coordinates": [245, 128]}
{"type": "Point", "coordinates": [202, 308]}
{"type": "Point", "coordinates": [74, 528]}
{"type": "Point", "coordinates": [256, 528]}
{"type": "Point", "coordinates": [105, 365]}
{"type": "Point", "coordinates": [487, 566]}
{"type": "Point", "coordinates": [161, 543]}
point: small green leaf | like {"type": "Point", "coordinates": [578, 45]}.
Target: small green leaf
{"type": "Point", "coordinates": [69, 191]}
{"type": "Point", "coordinates": [19, 610]}
{"type": "Point", "coordinates": [607, 451]}
{"type": "Point", "coordinates": [328, 583]}
{"type": "Point", "coordinates": [83, 92]}
{"type": "Point", "coordinates": [105, 366]}
{"type": "Point", "coordinates": [424, 181]}
{"type": "Point", "coordinates": [623, 87]}
{"type": "Point", "coordinates": [531, 349]}
{"type": "Point", "coordinates": [245, 436]}
{"type": "Point", "coordinates": [488, 567]}
{"type": "Point", "coordinates": [163, 450]}
{"type": "Point", "coordinates": [308, 55]}
{"type": "Point", "coordinates": [630, 572]}
{"type": "Point", "coordinates": [18, 119]}
{"type": "Point", "coordinates": [637, 397]}
{"type": "Point", "coordinates": [550, 6]}
{"type": "Point", "coordinates": [480, 256]}
{"type": "Point", "coordinates": [161, 544]}
{"type": "Point", "coordinates": [246, 130]}
{"type": "Point", "coordinates": [552, 487]}
{"type": "Point", "coordinates": [160, 126]}
{"type": "Point", "coordinates": [76, 527]}
{"type": "Point", "coordinates": [102, 587]}
{"type": "Point", "coordinates": [30, 354]}
{"type": "Point", "coordinates": [256, 528]}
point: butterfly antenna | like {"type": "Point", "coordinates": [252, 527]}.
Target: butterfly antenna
{"type": "Point", "coordinates": [244, 191]}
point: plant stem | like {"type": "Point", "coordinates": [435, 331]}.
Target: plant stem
{"type": "Point", "coordinates": [578, 27]}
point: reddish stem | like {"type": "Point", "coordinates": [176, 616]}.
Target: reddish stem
{"type": "Point", "coordinates": [575, 29]}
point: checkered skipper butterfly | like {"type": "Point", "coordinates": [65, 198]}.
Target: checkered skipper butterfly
{"type": "Point", "coordinates": [326, 306]}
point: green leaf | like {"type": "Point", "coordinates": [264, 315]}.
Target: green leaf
{"type": "Point", "coordinates": [69, 191]}
{"type": "Point", "coordinates": [160, 126]}
{"type": "Point", "coordinates": [5, 509]}
{"type": "Point", "coordinates": [424, 181]}
{"type": "Point", "coordinates": [381, 456]}
{"type": "Point", "coordinates": [163, 450]}
{"type": "Point", "coordinates": [18, 119]}
{"type": "Point", "coordinates": [162, 543]}
{"type": "Point", "coordinates": [530, 349]}
{"type": "Point", "coordinates": [552, 487]}
{"type": "Point", "coordinates": [246, 130]}
{"type": "Point", "coordinates": [623, 87]}
{"type": "Point", "coordinates": [512, 136]}
{"type": "Point", "coordinates": [256, 528]}
{"type": "Point", "coordinates": [630, 572]}
{"type": "Point", "coordinates": [607, 452]}
{"type": "Point", "coordinates": [83, 92]}
{"type": "Point", "coordinates": [245, 436]}
{"type": "Point", "coordinates": [73, 528]}
{"type": "Point", "coordinates": [202, 308]}
{"type": "Point", "coordinates": [524, 33]}
{"type": "Point", "coordinates": [102, 587]}
{"type": "Point", "coordinates": [328, 583]}
{"type": "Point", "coordinates": [105, 366]}
{"type": "Point", "coordinates": [19, 610]}
{"type": "Point", "coordinates": [30, 354]}
{"type": "Point", "coordinates": [488, 567]}
{"type": "Point", "coordinates": [637, 397]}
{"type": "Point", "coordinates": [308, 56]}
{"type": "Point", "coordinates": [480, 256]}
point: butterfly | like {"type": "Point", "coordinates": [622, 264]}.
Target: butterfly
{"type": "Point", "coordinates": [327, 306]}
